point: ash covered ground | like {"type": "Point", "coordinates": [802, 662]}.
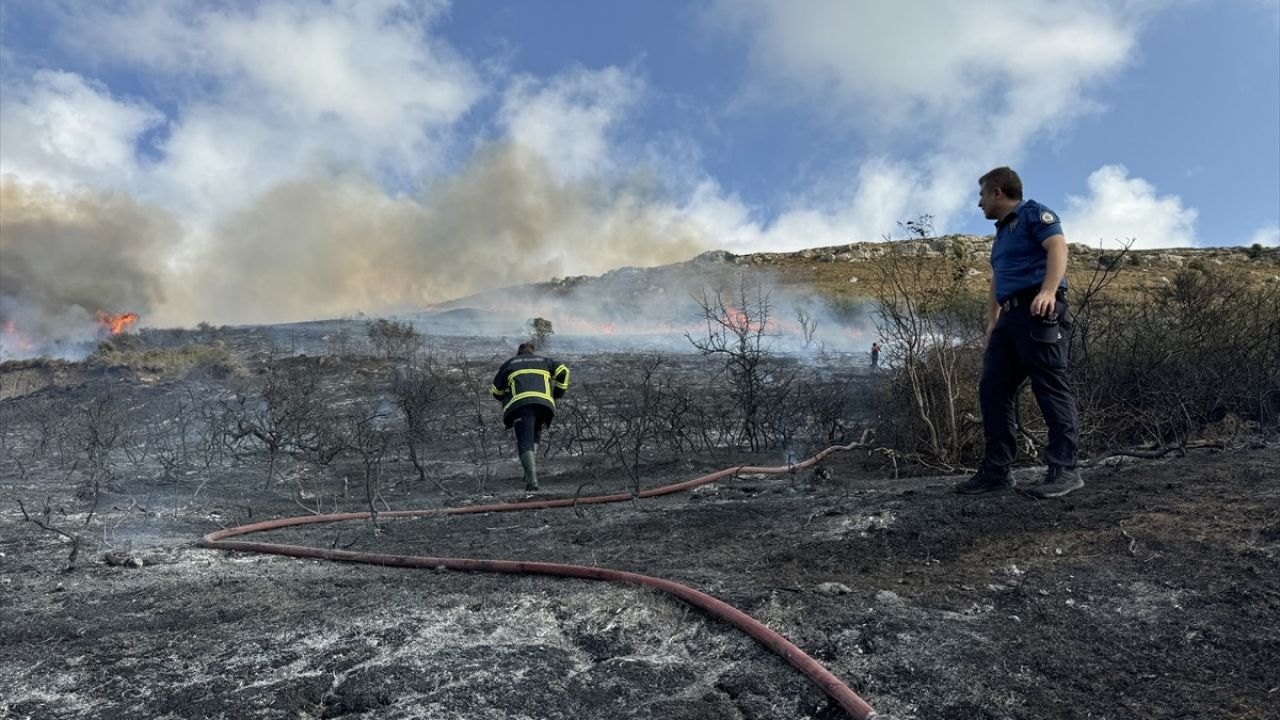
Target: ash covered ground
{"type": "Point", "coordinates": [1154, 592]}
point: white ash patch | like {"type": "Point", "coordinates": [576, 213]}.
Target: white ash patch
{"type": "Point", "coordinates": [838, 527]}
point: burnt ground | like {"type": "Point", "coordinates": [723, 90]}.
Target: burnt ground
{"type": "Point", "coordinates": [1152, 593]}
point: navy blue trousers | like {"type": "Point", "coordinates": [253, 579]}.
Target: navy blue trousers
{"type": "Point", "coordinates": [528, 423]}
{"type": "Point", "coordinates": [1012, 356]}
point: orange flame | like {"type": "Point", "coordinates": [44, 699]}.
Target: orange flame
{"type": "Point", "coordinates": [11, 335]}
{"type": "Point", "coordinates": [739, 321]}
{"type": "Point", "coordinates": [116, 324]}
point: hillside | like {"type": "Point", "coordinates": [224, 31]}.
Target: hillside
{"type": "Point", "coordinates": [855, 271]}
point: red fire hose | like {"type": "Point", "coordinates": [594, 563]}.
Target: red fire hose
{"type": "Point", "coordinates": [846, 698]}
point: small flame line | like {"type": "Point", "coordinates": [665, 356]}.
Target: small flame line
{"type": "Point", "coordinates": [115, 324]}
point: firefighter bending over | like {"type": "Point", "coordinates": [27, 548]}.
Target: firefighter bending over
{"type": "Point", "coordinates": [528, 386]}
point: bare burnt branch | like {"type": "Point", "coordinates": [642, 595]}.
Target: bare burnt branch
{"type": "Point", "coordinates": [44, 520]}
{"type": "Point", "coordinates": [1202, 350]}
{"type": "Point", "coordinates": [419, 390]}
{"type": "Point", "coordinates": [808, 326]}
{"type": "Point", "coordinates": [99, 428]}
{"type": "Point", "coordinates": [636, 425]}
{"type": "Point", "coordinates": [285, 412]}
{"type": "Point", "coordinates": [929, 324]}
{"type": "Point", "coordinates": [471, 415]}
{"type": "Point", "coordinates": [738, 334]}
{"type": "Point", "coordinates": [369, 436]}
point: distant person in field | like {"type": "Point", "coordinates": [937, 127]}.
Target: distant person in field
{"type": "Point", "coordinates": [528, 386]}
{"type": "Point", "coordinates": [875, 354]}
{"type": "Point", "coordinates": [1028, 336]}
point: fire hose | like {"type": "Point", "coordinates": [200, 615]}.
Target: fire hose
{"type": "Point", "coordinates": [847, 699]}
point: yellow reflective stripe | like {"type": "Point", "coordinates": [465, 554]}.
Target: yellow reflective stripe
{"type": "Point", "coordinates": [531, 393]}
{"type": "Point", "coordinates": [544, 394]}
{"type": "Point", "coordinates": [562, 384]}
{"type": "Point", "coordinates": [546, 378]}
{"type": "Point", "coordinates": [494, 391]}
{"type": "Point", "coordinates": [530, 371]}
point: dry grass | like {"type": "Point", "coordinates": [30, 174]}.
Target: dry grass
{"type": "Point", "coordinates": [173, 362]}
{"type": "Point", "coordinates": [855, 272]}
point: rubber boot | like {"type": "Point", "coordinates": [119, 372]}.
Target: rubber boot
{"type": "Point", "coordinates": [528, 459]}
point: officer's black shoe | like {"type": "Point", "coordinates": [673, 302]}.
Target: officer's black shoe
{"type": "Point", "coordinates": [1058, 481]}
{"type": "Point", "coordinates": [987, 479]}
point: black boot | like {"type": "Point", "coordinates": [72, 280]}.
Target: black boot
{"type": "Point", "coordinates": [529, 461]}
{"type": "Point", "coordinates": [1058, 481]}
{"type": "Point", "coordinates": [987, 479]}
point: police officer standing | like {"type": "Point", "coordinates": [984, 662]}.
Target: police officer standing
{"type": "Point", "coordinates": [1028, 335]}
{"type": "Point", "coordinates": [528, 386]}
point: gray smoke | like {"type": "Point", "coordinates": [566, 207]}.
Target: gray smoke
{"type": "Point", "coordinates": [654, 309]}
{"type": "Point", "coordinates": [315, 248]}
{"type": "Point", "coordinates": [331, 247]}
{"type": "Point", "coordinates": [64, 256]}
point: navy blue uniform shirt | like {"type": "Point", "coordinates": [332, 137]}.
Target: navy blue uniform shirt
{"type": "Point", "coordinates": [1018, 258]}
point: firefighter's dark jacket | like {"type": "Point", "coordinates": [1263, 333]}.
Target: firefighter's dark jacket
{"type": "Point", "coordinates": [527, 380]}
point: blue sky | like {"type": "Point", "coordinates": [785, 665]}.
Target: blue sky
{"type": "Point", "coordinates": [289, 158]}
{"type": "Point", "coordinates": [1194, 110]}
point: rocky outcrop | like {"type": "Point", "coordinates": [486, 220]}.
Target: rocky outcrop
{"type": "Point", "coordinates": [978, 247]}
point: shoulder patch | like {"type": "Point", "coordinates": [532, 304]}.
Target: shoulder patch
{"type": "Point", "coordinates": [1048, 218]}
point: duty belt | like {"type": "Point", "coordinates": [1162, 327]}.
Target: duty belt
{"type": "Point", "coordinates": [1025, 298]}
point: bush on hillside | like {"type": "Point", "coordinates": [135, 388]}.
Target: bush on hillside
{"type": "Point", "coordinates": [1163, 366]}
{"type": "Point", "coordinates": [213, 359]}
{"type": "Point", "coordinates": [394, 340]}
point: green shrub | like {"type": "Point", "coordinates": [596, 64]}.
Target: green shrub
{"type": "Point", "coordinates": [542, 331]}
{"type": "Point", "coordinates": [394, 340]}
{"type": "Point", "coordinates": [169, 361]}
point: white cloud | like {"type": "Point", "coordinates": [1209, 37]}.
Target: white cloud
{"type": "Point", "coordinates": [359, 62]}
{"type": "Point", "coordinates": [1120, 208]}
{"type": "Point", "coordinates": [270, 91]}
{"type": "Point", "coordinates": [571, 123]}
{"type": "Point", "coordinates": [216, 160]}
{"type": "Point", "coordinates": [951, 87]}
{"type": "Point", "coordinates": [372, 66]}
{"type": "Point", "coordinates": [300, 134]}
{"type": "Point", "coordinates": [567, 119]}
{"type": "Point", "coordinates": [284, 89]}
{"type": "Point", "coordinates": [895, 67]}
{"type": "Point", "coordinates": [1267, 236]}
{"type": "Point", "coordinates": [882, 193]}
{"type": "Point", "coordinates": [63, 130]}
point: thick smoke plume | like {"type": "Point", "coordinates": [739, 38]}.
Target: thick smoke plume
{"type": "Point", "coordinates": [317, 248]}
{"type": "Point", "coordinates": [327, 248]}
{"type": "Point", "coordinates": [65, 256]}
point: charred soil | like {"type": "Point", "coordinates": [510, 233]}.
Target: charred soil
{"type": "Point", "coordinates": [1154, 592]}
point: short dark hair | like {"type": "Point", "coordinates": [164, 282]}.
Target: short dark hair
{"type": "Point", "coordinates": [1005, 179]}
{"type": "Point", "coordinates": [526, 348]}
